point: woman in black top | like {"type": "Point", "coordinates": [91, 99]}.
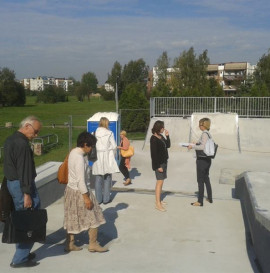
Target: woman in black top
{"type": "Point", "coordinates": [159, 155]}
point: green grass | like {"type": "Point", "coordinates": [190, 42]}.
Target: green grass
{"type": "Point", "coordinates": [57, 114]}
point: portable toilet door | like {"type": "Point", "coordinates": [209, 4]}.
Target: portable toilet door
{"type": "Point", "coordinates": [114, 126]}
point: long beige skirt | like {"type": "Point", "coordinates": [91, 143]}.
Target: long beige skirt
{"type": "Point", "coordinates": [77, 217]}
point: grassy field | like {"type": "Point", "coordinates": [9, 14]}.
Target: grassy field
{"type": "Point", "coordinates": [57, 114]}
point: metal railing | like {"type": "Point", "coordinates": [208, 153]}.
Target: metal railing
{"type": "Point", "coordinates": [246, 107]}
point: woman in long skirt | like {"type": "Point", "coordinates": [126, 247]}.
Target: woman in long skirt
{"type": "Point", "coordinates": [82, 211]}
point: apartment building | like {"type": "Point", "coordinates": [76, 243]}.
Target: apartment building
{"type": "Point", "coordinates": [108, 87]}
{"type": "Point", "coordinates": [229, 75]}
{"type": "Point", "coordinates": [39, 83]}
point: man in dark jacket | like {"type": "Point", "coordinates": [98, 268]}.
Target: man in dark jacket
{"type": "Point", "coordinates": [20, 171]}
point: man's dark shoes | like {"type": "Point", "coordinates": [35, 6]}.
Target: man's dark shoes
{"type": "Point", "coordinates": [31, 256]}
{"type": "Point", "coordinates": [209, 200]}
{"type": "Point", "coordinates": [28, 263]}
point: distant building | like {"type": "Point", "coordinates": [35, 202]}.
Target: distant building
{"type": "Point", "coordinates": [229, 75]}
{"type": "Point", "coordinates": [170, 71]}
{"type": "Point", "coordinates": [108, 87]}
{"type": "Point", "coordinates": [39, 83]}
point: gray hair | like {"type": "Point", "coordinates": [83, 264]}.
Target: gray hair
{"type": "Point", "coordinates": [29, 120]}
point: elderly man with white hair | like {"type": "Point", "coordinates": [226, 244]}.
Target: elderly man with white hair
{"type": "Point", "coordinates": [20, 171]}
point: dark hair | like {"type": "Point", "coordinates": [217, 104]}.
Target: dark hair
{"type": "Point", "coordinates": [158, 125]}
{"type": "Point", "coordinates": [86, 138]}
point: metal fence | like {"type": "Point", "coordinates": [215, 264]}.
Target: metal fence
{"type": "Point", "coordinates": [245, 107]}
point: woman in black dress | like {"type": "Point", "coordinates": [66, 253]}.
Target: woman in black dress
{"type": "Point", "coordinates": [159, 155]}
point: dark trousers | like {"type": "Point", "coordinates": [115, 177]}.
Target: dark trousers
{"type": "Point", "coordinates": [123, 169]}
{"type": "Point", "coordinates": [203, 166]}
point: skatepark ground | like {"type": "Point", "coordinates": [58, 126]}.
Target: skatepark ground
{"type": "Point", "coordinates": [184, 239]}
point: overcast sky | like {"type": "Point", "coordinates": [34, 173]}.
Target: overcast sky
{"type": "Point", "coordinates": [63, 38]}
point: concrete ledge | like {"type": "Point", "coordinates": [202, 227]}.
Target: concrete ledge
{"type": "Point", "coordinates": [253, 189]}
{"type": "Point", "coordinates": [47, 185]}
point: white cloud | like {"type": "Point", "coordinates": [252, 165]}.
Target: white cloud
{"type": "Point", "coordinates": [39, 42]}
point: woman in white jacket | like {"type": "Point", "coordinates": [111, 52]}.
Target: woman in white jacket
{"type": "Point", "coordinates": [106, 164]}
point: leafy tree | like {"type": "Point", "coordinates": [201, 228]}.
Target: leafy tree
{"type": "Point", "coordinates": [116, 77]}
{"type": "Point", "coordinates": [162, 88]}
{"type": "Point", "coordinates": [262, 75]}
{"type": "Point", "coordinates": [89, 83]}
{"type": "Point", "coordinates": [52, 94]}
{"type": "Point", "coordinates": [163, 64]}
{"type": "Point", "coordinates": [245, 89]}
{"type": "Point", "coordinates": [71, 88]}
{"type": "Point", "coordinates": [259, 90]}
{"type": "Point", "coordinates": [215, 89]}
{"type": "Point", "coordinates": [134, 72]}
{"type": "Point", "coordinates": [134, 100]}
{"type": "Point", "coordinates": [12, 93]}
{"type": "Point", "coordinates": [106, 95]}
{"type": "Point", "coordinates": [80, 92]}
{"type": "Point", "coordinates": [190, 71]}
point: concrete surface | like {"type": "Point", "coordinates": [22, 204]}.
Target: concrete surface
{"type": "Point", "coordinates": [253, 189]}
{"type": "Point", "coordinates": [141, 239]}
{"type": "Point", "coordinates": [224, 129]}
{"type": "Point", "coordinates": [184, 239]}
{"type": "Point", "coordinates": [229, 131]}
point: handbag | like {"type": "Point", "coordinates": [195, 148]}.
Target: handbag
{"type": "Point", "coordinates": [62, 174]}
{"type": "Point", "coordinates": [127, 153]}
{"type": "Point", "coordinates": [201, 153]}
{"type": "Point", "coordinates": [6, 202]}
{"type": "Point", "coordinates": [210, 148]}
{"type": "Point", "coordinates": [25, 226]}
{"type": "Point", "coordinates": [92, 156]}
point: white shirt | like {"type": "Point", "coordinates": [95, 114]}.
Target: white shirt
{"type": "Point", "coordinates": [202, 141]}
{"type": "Point", "coordinates": [78, 170]}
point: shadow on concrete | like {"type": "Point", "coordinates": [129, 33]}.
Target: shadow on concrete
{"type": "Point", "coordinates": [134, 172]}
{"type": "Point", "coordinates": [53, 246]}
{"type": "Point", "coordinates": [256, 267]}
{"type": "Point", "coordinates": [108, 232]}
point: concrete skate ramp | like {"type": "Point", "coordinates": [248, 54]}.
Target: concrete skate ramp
{"type": "Point", "coordinates": [229, 132]}
{"type": "Point", "coordinates": [254, 135]}
{"type": "Point", "coordinates": [224, 129]}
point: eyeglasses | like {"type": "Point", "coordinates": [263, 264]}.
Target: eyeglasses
{"type": "Point", "coordinates": [35, 131]}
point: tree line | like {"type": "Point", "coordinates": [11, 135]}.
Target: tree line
{"type": "Point", "coordinates": [189, 78]}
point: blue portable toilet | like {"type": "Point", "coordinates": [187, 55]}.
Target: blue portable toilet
{"type": "Point", "coordinates": [114, 126]}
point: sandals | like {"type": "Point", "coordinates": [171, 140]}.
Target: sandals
{"type": "Point", "coordinates": [196, 204]}
{"type": "Point", "coordinates": [128, 182]}
{"type": "Point", "coordinates": [161, 209]}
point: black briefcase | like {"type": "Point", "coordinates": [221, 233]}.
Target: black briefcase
{"type": "Point", "coordinates": [25, 226]}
